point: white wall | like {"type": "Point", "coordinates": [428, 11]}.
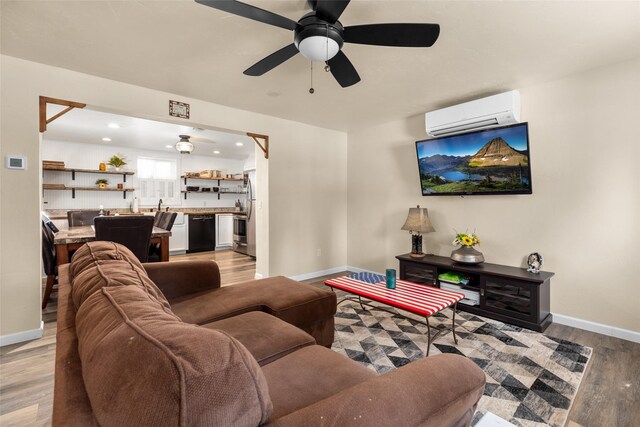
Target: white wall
{"type": "Point", "coordinates": [88, 156]}
{"type": "Point", "coordinates": [583, 215]}
{"type": "Point", "coordinates": [302, 207]}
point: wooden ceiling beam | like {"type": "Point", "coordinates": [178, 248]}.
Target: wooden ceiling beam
{"type": "Point", "coordinates": [265, 148]}
{"type": "Point", "coordinates": [44, 100]}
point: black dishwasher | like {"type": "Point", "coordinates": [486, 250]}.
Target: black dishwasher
{"type": "Point", "coordinates": [202, 233]}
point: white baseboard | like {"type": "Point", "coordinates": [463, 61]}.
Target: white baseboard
{"type": "Point", "coordinates": [612, 331]}
{"type": "Point", "coordinates": [257, 276]}
{"type": "Point", "coordinates": [17, 337]}
{"type": "Point", "coordinates": [315, 274]}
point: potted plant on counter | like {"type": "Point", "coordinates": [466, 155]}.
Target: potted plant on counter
{"type": "Point", "coordinates": [102, 183]}
{"type": "Point", "coordinates": [117, 161]}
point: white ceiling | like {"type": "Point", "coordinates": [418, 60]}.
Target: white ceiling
{"type": "Point", "coordinates": [90, 126]}
{"type": "Point", "coordinates": [185, 48]}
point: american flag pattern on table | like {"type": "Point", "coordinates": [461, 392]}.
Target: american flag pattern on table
{"type": "Point", "coordinates": [365, 276]}
{"type": "Point", "coordinates": [415, 298]}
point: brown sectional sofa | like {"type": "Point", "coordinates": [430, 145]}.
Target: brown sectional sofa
{"type": "Point", "coordinates": [164, 344]}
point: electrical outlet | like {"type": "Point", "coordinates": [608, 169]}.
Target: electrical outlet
{"type": "Point", "coordinates": [318, 252]}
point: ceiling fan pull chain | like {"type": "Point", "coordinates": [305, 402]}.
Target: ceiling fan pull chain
{"type": "Point", "coordinates": [327, 68]}
{"type": "Point", "coordinates": [311, 89]}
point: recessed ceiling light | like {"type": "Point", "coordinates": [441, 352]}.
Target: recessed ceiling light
{"type": "Point", "coordinates": [114, 126]}
{"type": "Point", "coordinates": [106, 139]}
{"type": "Point", "coordinates": [239, 144]}
{"type": "Point", "coordinates": [216, 152]}
{"type": "Point", "coordinates": [168, 146]}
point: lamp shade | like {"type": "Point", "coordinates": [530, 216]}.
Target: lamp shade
{"type": "Point", "coordinates": [418, 221]}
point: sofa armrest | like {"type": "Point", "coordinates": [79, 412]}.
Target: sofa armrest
{"type": "Point", "coordinates": [438, 391]}
{"type": "Point", "coordinates": [176, 279]}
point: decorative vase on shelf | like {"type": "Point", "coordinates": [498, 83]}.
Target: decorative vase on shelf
{"type": "Point", "coordinates": [467, 255]}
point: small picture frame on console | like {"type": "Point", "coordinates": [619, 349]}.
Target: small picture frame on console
{"type": "Point", "coordinates": [534, 262]}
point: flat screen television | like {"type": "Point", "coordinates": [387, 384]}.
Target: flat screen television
{"type": "Point", "coordinates": [492, 161]}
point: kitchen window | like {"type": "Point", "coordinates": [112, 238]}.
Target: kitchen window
{"type": "Point", "coordinates": [158, 179]}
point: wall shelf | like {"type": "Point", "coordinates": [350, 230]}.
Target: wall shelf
{"type": "Point", "coordinates": [185, 192]}
{"type": "Point", "coordinates": [74, 170]}
{"type": "Point", "coordinates": [74, 189]}
{"type": "Point", "coordinates": [185, 178]}
{"type": "Point", "coordinates": [95, 171]}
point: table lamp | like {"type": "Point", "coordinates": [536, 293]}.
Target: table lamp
{"type": "Point", "coordinates": [417, 223]}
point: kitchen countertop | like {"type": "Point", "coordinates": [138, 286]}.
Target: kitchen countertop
{"type": "Point", "coordinates": [62, 213]}
{"type": "Point", "coordinates": [67, 235]}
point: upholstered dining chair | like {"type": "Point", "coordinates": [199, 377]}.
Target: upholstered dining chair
{"type": "Point", "coordinates": [157, 218]}
{"type": "Point", "coordinates": [164, 221]}
{"type": "Point", "coordinates": [134, 232]}
{"type": "Point", "coordinates": [81, 218]}
{"type": "Point", "coordinates": [49, 263]}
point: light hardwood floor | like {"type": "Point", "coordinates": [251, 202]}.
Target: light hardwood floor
{"type": "Point", "coordinates": [609, 394]}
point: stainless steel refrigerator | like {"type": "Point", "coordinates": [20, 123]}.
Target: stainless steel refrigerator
{"type": "Point", "coordinates": [251, 212]}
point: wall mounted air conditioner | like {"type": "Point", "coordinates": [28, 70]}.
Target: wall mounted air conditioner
{"type": "Point", "coordinates": [492, 111]}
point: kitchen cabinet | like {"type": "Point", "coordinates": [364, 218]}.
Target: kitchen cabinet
{"type": "Point", "coordinates": [224, 231]}
{"type": "Point", "coordinates": [178, 241]}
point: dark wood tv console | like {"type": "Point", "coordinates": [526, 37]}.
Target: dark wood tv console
{"type": "Point", "coordinates": [508, 294]}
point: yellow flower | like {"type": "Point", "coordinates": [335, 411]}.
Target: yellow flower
{"type": "Point", "coordinates": [467, 241]}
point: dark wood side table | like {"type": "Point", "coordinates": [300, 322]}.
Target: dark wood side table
{"type": "Point", "coordinates": [508, 294]}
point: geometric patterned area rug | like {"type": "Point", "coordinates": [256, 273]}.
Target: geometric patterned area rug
{"type": "Point", "coordinates": [532, 378]}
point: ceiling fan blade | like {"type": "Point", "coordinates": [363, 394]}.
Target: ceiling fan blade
{"type": "Point", "coordinates": [251, 12]}
{"type": "Point", "coordinates": [402, 35]}
{"type": "Point", "coordinates": [330, 10]}
{"type": "Point", "coordinates": [343, 70]}
{"type": "Point", "coordinates": [272, 61]}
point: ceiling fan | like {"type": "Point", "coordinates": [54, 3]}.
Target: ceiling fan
{"type": "Point", "coordinates": [319, 36]}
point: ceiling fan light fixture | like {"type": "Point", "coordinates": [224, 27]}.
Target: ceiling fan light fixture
{"type": "Point", "coordinates": [317, 40]}
{"type": "Point", "coordinates": [318, 48]}
{"type": "Point", "coordinates": [184, 146]}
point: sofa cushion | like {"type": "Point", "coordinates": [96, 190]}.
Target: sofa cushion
{"type": "Point", "coordinates": [296, 303]}
{"type": "Point", "coordinates": [92, 253]}
{"type": "Point", "coordinates": [309, 375]}
{"type": "Point", "coordinates": [142, 366]}
{"type": "Point", "coordinates": [266, 337]}
{"type": "Point", "coordinates": [103, 264]}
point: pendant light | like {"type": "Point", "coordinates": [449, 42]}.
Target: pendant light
{"type": "Point", "coordinates": [184, 146]}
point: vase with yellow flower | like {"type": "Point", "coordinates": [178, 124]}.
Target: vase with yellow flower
{"type": "Point", "coordinates": [466, 253]}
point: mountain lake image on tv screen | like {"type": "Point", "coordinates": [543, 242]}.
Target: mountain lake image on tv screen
{"type": "Point", "coordinates": [493, 161]}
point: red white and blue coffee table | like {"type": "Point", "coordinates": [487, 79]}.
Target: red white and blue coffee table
{"type": "Point", "coordinates": [422, 300]}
